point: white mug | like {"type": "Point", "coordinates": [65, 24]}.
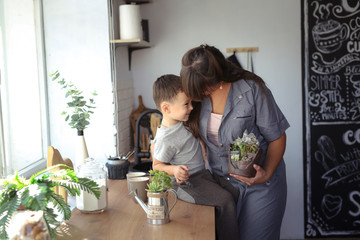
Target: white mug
{"type": "Point", "coordinates": [139, 184]}
{"type": "Point", "coordinates": [133, 174]}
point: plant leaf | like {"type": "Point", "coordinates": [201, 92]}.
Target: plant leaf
{"type": "Point", "coordinates": [51, 221]}
{"type": "Point", "coordinates": [77, 104]}
{"type": "Point", "coordinates": [7, 209]}
{"type": "Point", "coordinates": [60, 205]}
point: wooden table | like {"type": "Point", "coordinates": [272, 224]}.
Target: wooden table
{"type": "Point", "coordinates": [125, 219]}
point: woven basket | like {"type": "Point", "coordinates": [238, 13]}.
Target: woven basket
{"type": "Point", "coordinates": [119, 170]}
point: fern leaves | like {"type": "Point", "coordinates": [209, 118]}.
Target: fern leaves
{"type": "Point", "coordinates": [37, 194]}
{"type": "Point", "coordinates": [8, 207]}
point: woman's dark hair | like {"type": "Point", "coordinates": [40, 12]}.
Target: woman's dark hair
{"type": "Point", "coordinates": [203, 68]}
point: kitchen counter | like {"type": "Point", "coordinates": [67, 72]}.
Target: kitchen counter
{"type": "Point", "coordinates": [125, 219]}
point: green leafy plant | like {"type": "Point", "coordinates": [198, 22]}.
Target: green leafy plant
{"type": "Point", "coordinates": [37, 194]}
{"type": "Point", "coordinates": [160, 181]}
{"type": "Point", "coordinates": [80, 109]}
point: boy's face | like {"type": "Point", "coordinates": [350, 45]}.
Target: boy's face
{"type": "Point", "coordinates": [180, 107]}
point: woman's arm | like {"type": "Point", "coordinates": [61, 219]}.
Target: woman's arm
{"type": "Point", "coordinates": [274, 155]}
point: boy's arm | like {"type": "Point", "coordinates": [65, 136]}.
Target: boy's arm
{"type": "Point", "coordinates": [180, 172]}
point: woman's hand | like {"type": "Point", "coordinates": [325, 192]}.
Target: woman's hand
{"type": "Point", "coordinates": [259, 178]}
{"type": "Point", "coordinates": [274, 155]}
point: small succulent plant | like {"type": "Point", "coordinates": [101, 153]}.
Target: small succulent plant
{"type": "Point", "coordinates": [160, 181]}
{"type": "Point", "coordinates": [247, 144]}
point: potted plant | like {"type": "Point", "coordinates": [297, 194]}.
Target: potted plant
{"type": "Point", "coordinates": [159, 181]}
{"type": "Point", "coordinates": [243, 153]}
{"type": "Point", "coordinates": [79, 111]}
{"type": "Point", "coordinates": [37, 194]}
{"type": "Point", "coordinates": [158, 210]}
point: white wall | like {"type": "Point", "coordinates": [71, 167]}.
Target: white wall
{"type": "Point", "coordinates": [273, 26]}
{"type": "Point", "coordinates": [77, 44]}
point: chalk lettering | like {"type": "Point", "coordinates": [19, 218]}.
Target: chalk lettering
{"type": "Point", "coordinates": [325, 109]}
{"type": "Point", "coordinates": [341, 172]}
{"type": "Point", "coordinates": [355, 69]}
{"type": "Point", "coordinates": [347, 169]}
{"type": "Point", "coordinates": [355, 202]}
{"type": "Point", "coordinates": [353, 46]}
{"type": "Point", "coordinates": [330, 82]}
{"type": "Point", "coordinates": [333, 116]}
{"type": "Point", "coordinates": [350, 138]}
{"type": "Point", "coordinates": [331, 96]}
{"type": "Point", "coordinates": [351, 155]}
{"type": "Point", "coordinates": [314, 99]}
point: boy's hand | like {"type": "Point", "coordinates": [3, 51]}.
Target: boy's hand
{"type": "Point", "coordinates": [181, 173]}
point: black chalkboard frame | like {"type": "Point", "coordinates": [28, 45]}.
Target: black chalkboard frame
{"type": "Point", "coordinates": [331, 66]}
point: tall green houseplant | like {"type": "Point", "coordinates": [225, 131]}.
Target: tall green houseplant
{"type": "Point", "coordinates": [78, 114]}
{"type": "Point", "coordinates": [37, 194]}
{"type": "Point", "coordinates": [80, 109]}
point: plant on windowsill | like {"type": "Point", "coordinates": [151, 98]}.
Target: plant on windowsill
{"type": "Point", "coordinates": [37, 194]}
{"type": "Point", "coordinates": [79, 111]}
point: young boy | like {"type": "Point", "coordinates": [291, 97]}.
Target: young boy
{"type": "Point", "coordinates": [177, 152]}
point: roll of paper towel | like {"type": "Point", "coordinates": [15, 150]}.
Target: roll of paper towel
{"type": "Point", "coordinates": [130, 21]}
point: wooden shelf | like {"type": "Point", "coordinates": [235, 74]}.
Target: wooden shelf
{"type": "Point", "coordinates": [242, 49]}
{"type": "Point", "coordinates": [132, 45]}
{"type": "Point", "coordinates": [136, 1]}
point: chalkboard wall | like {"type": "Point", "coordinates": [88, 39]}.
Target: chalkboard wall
{"type": "Point", "coordinates": [331, 100]}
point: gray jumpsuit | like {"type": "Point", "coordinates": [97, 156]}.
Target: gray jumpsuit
{"type": "Point", "coordinates": [261, 207]}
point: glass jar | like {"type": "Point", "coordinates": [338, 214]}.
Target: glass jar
{"type": "Point", "coordinates": [87, 202]}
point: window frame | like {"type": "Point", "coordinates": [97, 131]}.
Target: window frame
{"type": "Point", "coordinates": [40, 164]}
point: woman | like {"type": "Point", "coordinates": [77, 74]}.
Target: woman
{"type": "Point", "coordinates": [234, 100]}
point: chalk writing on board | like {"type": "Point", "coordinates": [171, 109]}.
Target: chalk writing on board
{"type": "Point", "coordinates": [331, 67]}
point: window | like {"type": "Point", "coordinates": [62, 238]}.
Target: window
{"type": "Point", "coordinates": [23, 109]}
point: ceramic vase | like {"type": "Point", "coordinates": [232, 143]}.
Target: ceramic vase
{"type": "Point", "coordinates": [81, 151]}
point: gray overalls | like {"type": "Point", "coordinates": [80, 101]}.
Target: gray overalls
{"type": "Point", "coordinates": [260, 208]}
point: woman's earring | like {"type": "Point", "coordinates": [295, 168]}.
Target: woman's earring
{"type": "Point", "coordinates": [221, 87]}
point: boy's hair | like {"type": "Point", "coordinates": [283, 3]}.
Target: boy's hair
{"type": "Point", "coordinates": [165, 88]}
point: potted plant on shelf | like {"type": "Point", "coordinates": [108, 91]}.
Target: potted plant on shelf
{"type": "Point", "coordinates": [79, 112]}
{"type": "Point", "coordinates": [243, 153]}
{"type": "Point", "coordinates": [37, 194]}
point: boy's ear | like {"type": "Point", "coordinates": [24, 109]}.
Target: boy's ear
{"type": "Point", "coordinates": [165, 107]}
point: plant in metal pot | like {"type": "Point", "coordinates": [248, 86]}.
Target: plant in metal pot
{"type": "Point", "coordinates": [158, 208]}
{"type": "Point", "coordinates": [37, 194]}
{"type": "Point", "coordinates": [160, 181]}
